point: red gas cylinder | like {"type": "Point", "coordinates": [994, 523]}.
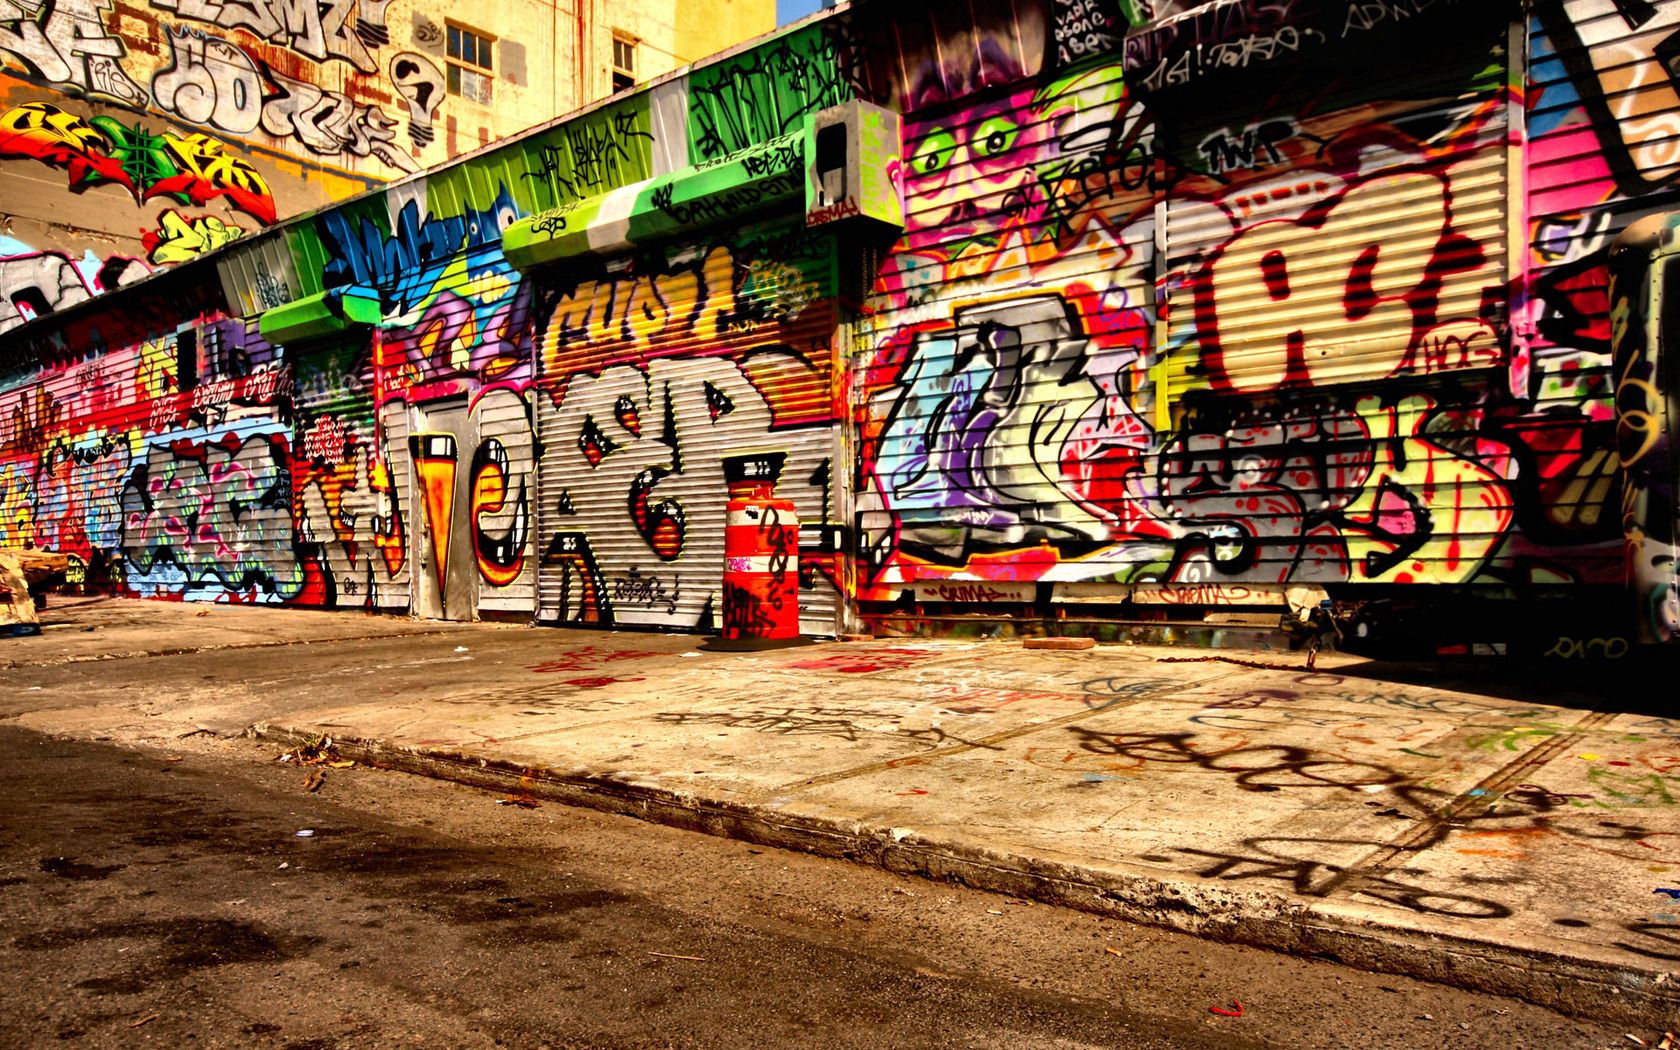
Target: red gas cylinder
{"type": "Point", "coordinates": [761, 568]}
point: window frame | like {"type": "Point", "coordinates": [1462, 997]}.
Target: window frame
{"type": "Point", "coordinates": [459, 39]}
{"type": "Point", "coordinates": [623, 74]}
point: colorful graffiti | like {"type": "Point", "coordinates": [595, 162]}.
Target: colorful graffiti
{"type": "Point", "coordinates": [180, 238]}
{"type": "Point", "coordinates": [226, 88]}
{"type": "Point", "coordinates": [500, 527]}
{"type": "Point", "coordinates": [657, 387]}
{"type": "Point", "coordinates": [209, 515]}
{"type": "Point", "coordinates": [65, 43]}
{"type": "Point", "coordinates": [191, 169]}
{"type": "Point", "coordinates": [35, 283]}
{"type": "Point", "coordinates": [1045, 406]}
{"type": "Point", "coordinates": [1142, 325]}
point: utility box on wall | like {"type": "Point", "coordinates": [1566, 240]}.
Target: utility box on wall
{"type": "Point", "coordinates": [851, 166]}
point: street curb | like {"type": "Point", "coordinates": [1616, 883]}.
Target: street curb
{"type": "Point", "coordinates": [1570, 984]}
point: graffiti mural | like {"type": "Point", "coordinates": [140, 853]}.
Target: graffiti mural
{"type": "Point", "coordinates": [316, 31]}
{"type": "Point", "coordinates": [228, 87]}
{"type": "Point", "coordinates": [35, 283]}
{"type": "Point", "coordinates": [1167, 317]}
{"type": "Point", "coordinates": [1257, 405]}
{"type": "Point", "coordinates": [208, 515]}
{"type": "Point", "coordinates": [181, 238]}
{"type": "Point", "coordinates": [501, 519]}
{"type": "Point", "coordinates": [656, 389]}
{"type": "Point", "coordinates": [65, 43]}
{"type": "Point", "coordinates": [191, 169]}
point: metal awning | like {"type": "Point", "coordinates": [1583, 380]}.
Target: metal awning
{"type": "Point", "coordinates": [326, 313]}
{"type": "Point", "coordinates": [756, 180]}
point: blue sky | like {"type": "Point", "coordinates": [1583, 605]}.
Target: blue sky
{"type": "Point", "coordinates": [793, 10]}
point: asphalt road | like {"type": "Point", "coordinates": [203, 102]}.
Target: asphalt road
{"type": "Point", "coordinates": [164, 897]}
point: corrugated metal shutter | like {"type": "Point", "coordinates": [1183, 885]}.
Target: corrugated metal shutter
{"type": "Point", "coordinates": [393, 419]}
{"type": "Point", "coordinates": [64, 494]}
{"type": "Point", "coordinates": [258, 275]}
{"type": "Point", "coordinates": [344, 513]}
{"type": "Point", "coordinates": [650, 384]}
{"type": "Point", "coordinates": [207, 511]}
{"type": "Point", "coordinates": [1603, 150]}
{"type": "Point", "coordinates": [1294, 449]}
{"type": "Point", "coordinates": [1007, 332]}
{"type": "Point", "coordinates": [503, 480]}
{"type": "Point", "coordinates": [1314, 277]}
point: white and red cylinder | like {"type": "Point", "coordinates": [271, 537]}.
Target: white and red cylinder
{"type": "Point", "coordinates": [761, 567]}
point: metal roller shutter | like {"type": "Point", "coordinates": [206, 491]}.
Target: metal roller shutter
{"type": "Point", "coordinates": [1319, 275]}
{"type": "Point", "coordinates": [502, 479]}
{"type": "Point", "coordinates": [653, 387]}
{"type": "Point", "coordinates": [1327, 328]}
{"type": "Point", "coordinates": [1603, 151]}
{"type": "Point", "coordinates": [347, 513]}
{"type": "Point", "coordinates": [66, 496]}
{"type": "Point", "coordinates": [1008, 332]}
{"type": "Point", "coordinates": [394, 487]}
{"type": "Point", "coordinates": [206, 508]}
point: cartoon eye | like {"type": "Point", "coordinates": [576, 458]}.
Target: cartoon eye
{"type": "Point", "coordinates": [506, 217]}
{"type": "Point", "coordinates": [933, 153]}
{"type": "Point", "coordinates": [997, 135]}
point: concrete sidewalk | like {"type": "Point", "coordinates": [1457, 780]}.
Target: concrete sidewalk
{"type": "Point", "coordinates": [1484, 835]}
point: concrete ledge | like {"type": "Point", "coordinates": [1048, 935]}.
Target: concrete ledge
{"type": "Point", "coordinates": [1066, 644]}
{"type": "Point", "coordinates": [1569, 983]}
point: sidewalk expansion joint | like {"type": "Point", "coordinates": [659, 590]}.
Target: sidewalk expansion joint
{"type": "Point", "coordinates": [1479, 798]}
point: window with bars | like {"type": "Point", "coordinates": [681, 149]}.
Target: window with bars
{"type": "Point", "coordinates": [624, 63]}
{"type": "Point", "coordinates": [471, 63]}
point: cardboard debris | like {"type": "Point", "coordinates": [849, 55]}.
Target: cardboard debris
{"type": "Point", "coordinates": [16, 606]}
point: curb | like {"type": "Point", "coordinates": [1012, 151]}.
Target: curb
{"type": "Point", "coordinates": [1570, 984]}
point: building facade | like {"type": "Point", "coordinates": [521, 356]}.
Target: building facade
{"type": "Point", "coordinates": [136, 134]}
{"type": "Point", "coordinates": [1097, 311]}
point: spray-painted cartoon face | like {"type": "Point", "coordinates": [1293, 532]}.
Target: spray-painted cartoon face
{"type": "Point", "coordinates": [969, 176]}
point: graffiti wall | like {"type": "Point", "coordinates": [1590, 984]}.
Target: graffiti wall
{"type": "Point", "coordinates": [1173, 330]}
{"type": "Point", "coordinates": [154, 458]}
{"type": "Point", "coordinates": [1219, 298]}
{"type": "Point", "coordinates": [167, 131]}
{"type": "Point", "coordinates": [1602, 112]}
{"type": "Point", "coordinates": [178, 126]}
{"type": "Point", "coordinates": [666, 391]}
{"type": "Point", "coordinates": [397, 465]}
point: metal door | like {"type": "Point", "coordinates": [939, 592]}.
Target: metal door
{"type": "Point", "coordinates": [444, 578]}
